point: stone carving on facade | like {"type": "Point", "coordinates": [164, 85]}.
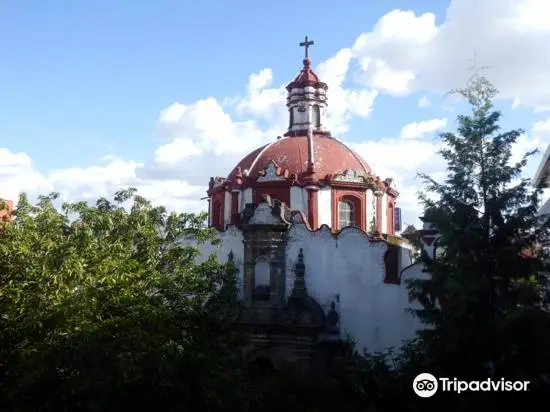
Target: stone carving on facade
{"type": "Point", "coordinates": [247, 212]}
{"type": "Point", "coordinates": [297, 219]}
{"type": "Point", "coordinates": [216, 182]}
{"type": "Point", "coordinates": [263, 215]}
{"type": "Point", "coordinates": [333, 320]}
{"type": "Point", "coordinates": [271, 173]}
{"type": "Point", "coordinates": [302, 309]}
{"type": "Point", "coordinates": [350, 176]}
{"type": "Point", "coordinates": [269, 212]}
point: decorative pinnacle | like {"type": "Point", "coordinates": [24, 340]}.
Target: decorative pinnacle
{"type": "Point", "coordinates": [299, 289]}
{"type": "Point", "coordinates": [300, 268]}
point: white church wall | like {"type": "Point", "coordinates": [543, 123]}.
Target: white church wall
{"type": "Point", "coordinates": [405, 255]}
{"type": "Point", "coordinates": [369, 196]}
{"type": "Point", "coordinates": [351, 266]}
{"type": "Point", "coordinates": [246, 197]}
{"type": "Point", "coordinates": [239, 199]}
{"type": "Point", "coordinates": [227, 208]}
{"type": "Point", "coordinates": [230, 241]}
{"type": "Point", "coordinates": [324, 203]}
{"type": "Point", "coordinates": [298, 199]}
{"type": "Point", "coordinates": [384, 213]}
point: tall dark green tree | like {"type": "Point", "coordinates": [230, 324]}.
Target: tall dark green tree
{"type": "Point", "coordinates": [482, 303]}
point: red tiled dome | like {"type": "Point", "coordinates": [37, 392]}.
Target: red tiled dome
{"type": "Point", "coordinates": [291, 153]}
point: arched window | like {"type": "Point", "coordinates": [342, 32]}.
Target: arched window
{"type": "Point", "coordinates": [316, 116]}
{"type": "Point", "coordinates": [346, 213]}
{"type": "Point", "coordinates": [262, 280]}
{"type": "Point", "coordinates": [291, 122]}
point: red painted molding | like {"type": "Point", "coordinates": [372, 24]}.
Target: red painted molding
{"type": "Point", "coordinates": [379, 214]}
{"type": "Point", "coordinates": [234, 207]}
{"type": "Point", "coordinates": [312, 208]}
{"type": "Point", "coordinates": [390, 216]}
{"type": "Point", "coordinates": [218, 207]}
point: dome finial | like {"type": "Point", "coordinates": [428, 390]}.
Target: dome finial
{"type": "Point", "coordinates": [305, 44]}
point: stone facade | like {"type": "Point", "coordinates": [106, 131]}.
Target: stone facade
{"type": "Point", "coordinates": [280, 326]}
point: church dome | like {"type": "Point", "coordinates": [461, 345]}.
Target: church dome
{"type": "Point", "coordinates": [290, 156]}
{"type": "Point", "coordinates": [307, 170]}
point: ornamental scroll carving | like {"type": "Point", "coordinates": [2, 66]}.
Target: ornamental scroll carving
{"type": "Point", "coordinates": [270, 174]}
{"type": "Point", "coordinates": [371, 181]}
{"type": "Point", "coordinates": [351, 176]}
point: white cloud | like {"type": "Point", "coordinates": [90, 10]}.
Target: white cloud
{"type": "Point", "coordinates": [424, 102]}
{"type": "Point", "coordinates": [417, 130]}
{"type": "Point", "coordinates": [377, 74]}
{"type": "Point", "coordinates": [510, 37]}
{"type": "Point", "coordinates": [542, 126]}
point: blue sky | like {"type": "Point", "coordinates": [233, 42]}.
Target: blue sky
{"type": "Point", "coordinates": [82, 80]}
{"type": "Point", "coordinates": [79, 78]}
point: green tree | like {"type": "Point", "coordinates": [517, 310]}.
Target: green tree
{"type": "Point", "coordinates": [104, 308]}
{"type": "Point", "coordinates": [482, 305]}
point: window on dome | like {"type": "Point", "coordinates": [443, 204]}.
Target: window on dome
{"type": "Point", "coordinates": [346, 213]}
{"type": "Point", "coordinates": [291, 121]}
{"type": "Point", "coordinates": [316, 116]}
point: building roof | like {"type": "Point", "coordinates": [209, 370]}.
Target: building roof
{"type": "Point", "coordinates": [307, 154]}
{"type": "Point", "coordinates": [290, 154]}
{"type": "Point", "coordinates": [306, 78]}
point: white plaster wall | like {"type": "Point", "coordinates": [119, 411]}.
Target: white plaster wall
{"type": "Point", "coordinates": [351, 266]}
{"type": "Point", "coordinates": [227, 208]}
{"type": "Point", "coordinates": [245, 198]}
{"type": "Point", "coordinates": [324, 202]}
{"type": "Point", "coordinates": [231, 241]}
{"type": "Point", "coordinates": [298, 199]}
{"type": "Point", "coordinates": [310, 98]}
{"type": "Point", "coordinates": [405, 256]}
{"type": "Point", "coordinates": [239, 199]}
{"type": "Point", "coordinates": [384, 213]}
{"type": "Point", "coordinates": [369, 196]}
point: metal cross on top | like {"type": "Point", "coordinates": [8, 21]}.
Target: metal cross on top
{"type": "Point", "coordinates": [305, 44]}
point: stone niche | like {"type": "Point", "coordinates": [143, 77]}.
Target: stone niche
{"type": "Point", "coordinates": [281, 327]}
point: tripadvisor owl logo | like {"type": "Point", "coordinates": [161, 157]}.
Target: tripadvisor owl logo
{"type": "Point", "coordinates": [425, 385]}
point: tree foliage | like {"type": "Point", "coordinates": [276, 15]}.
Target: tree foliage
{"type": "Point", "coordinates": [482, 302]}
{"type": "Point", "coordinates": [104, 308]}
